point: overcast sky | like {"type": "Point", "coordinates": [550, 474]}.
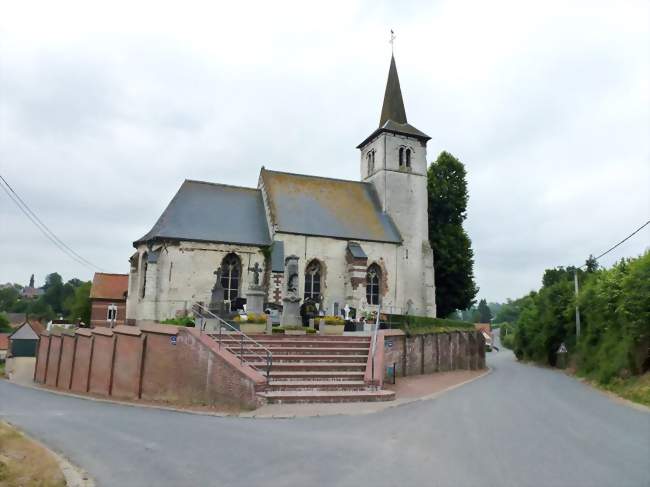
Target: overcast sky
{"type": "Point", "coordinates": [105, 110]}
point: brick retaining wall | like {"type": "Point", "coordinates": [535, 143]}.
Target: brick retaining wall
{"type": "Point", "coordinates": [433, 352]}
{"type": "Point", "coordinates": [153, 362]}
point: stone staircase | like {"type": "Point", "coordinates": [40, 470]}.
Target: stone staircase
{"type": "Point", "coordinates": [313, 368]}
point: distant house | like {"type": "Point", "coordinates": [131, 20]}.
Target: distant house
{"type": "Point", "coordinates": [23, 342]}
{"type": "Point", "coordinates": [108, 299]}
{"type": "Point", "coordinates": [29, 292]}
{"type": "Point", "coordinates": [4, 346]}
{"type": "Point", "coordinates": [486, 330]}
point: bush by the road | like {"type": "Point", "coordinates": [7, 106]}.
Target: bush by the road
{"type": "Point", "coordinates": [615, 312]}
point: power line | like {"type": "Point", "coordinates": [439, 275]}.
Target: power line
{"type": "Point", "coordinates": [622, 241]}
{"type": "Point", "coordinates": [45, 230]}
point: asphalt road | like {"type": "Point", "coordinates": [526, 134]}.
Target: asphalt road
{"type": "Point", "coordinates": [519, 426]}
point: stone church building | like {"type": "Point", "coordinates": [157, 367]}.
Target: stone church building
{"type": "Point", "coordinates": [359, 243]}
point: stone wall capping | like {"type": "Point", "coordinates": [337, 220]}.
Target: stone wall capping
{"type": "Point", "coordinates": [127, 330]}
{"type": "Point", "coordinates": [153, 327]}
{"type": "Point", "coordinates": [86, 332]}
{"type": "Point", "coordinates": [102, 331]}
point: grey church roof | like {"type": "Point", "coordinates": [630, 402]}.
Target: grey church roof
{"type": "Point", "coordinates": [393, 114]}
{"type": "Point", "coordinates": [211, 212]}
{"type": "Point", "coordinates": [311, 205]}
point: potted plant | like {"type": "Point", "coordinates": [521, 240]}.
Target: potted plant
{"type": "Point", "coordinates": [294, 330]}
{"type": "Point", "coordinates": [334, 325]}
{"type": "Point", "coordinates": [251, 322]}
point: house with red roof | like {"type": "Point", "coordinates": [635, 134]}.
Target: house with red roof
{"type": "Point", "coordinates": [108, 299]}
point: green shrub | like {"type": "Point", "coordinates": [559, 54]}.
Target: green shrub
{"type": "Point", "coordinates": [184, 321]}
{"type": "Point", "coordinates": [252, 318]}
{"type": "Point", "coordinates": [333, 320]}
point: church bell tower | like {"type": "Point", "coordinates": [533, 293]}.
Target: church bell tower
{"type": "Point", "coordinates": [394, 161]}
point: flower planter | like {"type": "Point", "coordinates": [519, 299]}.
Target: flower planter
{"type": "Point", "coordinates": [252, 327]}
{"type": "Point", "coordinates": [295, 332]}
{"type": "Point", "coordinates": [334, 329]}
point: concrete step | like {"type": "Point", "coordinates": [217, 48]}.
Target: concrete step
{"type": "Point", "coordinates": [278, 351]}
{"type": "Point", "coordinates": [302, 375]}
{"type": "Point", "coordinates": [278, 338]}
{"type": "Point", "coordinates": [279, 397]}
{"type": "Point", "coordinates": [281, 358]}
{"type": "Point", "coordinates": [321, 385]}
{"type": "Point", "coordinates": [314, 366]}
{"type": "Point", "coordinates": [298, 343]}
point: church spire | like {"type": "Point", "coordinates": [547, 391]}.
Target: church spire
{"type": "Point", "coordinates": [393, 108]}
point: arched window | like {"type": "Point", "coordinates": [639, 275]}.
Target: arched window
{"type": "Point", "coordinates": [401, 157]}
{"type": "Point", "coordinates": [312, 280]}
{"type": "Point", "coordinates": [144, 266]}
{"type": "Point", "coordinates": [373, 276]}
{"type": "Point", "coordinates": [408, 157]}
{"type": "Point", "coordinates": [371, 162]}
{"type": "Point", "coordinates": [230, 275]}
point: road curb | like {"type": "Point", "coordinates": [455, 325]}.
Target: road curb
{"type": "Point", "coordinates": [251, 414]}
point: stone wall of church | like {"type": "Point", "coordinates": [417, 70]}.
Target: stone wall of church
{"type": "Point", "coordinates": [403, 195]}
{"type": "Point", "coordinates": [182, 276]}
{"type": "Point", "coordinates": [337, 285]}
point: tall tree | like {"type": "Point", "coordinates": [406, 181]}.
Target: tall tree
{"type": "Point", "coordinates": [452, 248]}
{"type": "Point", "coordinates": [484, 313]}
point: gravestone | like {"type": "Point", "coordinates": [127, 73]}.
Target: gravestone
{"type": "Point", "coordinates": [217, 304]}
{"type": "Point", "coordinates": [291, 299]}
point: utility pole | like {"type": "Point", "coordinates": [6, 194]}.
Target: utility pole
{"type": "Point", "coordinates": [575, 280]}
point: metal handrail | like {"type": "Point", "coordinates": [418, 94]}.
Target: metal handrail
{"type": "Point", "coordinates": [373, 347]}
{"type": "Point", "coordinates": [242, 336]}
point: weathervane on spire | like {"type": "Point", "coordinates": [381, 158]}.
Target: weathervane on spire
{"type": "Point", "coordinates": [392, 40]}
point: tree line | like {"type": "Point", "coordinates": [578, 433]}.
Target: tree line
{"type": "Point", "coordinates": [614, 307]}
{"type": "Point", "coordinates": [70, 300]}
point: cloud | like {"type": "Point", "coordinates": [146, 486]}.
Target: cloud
{"type": "Point", "coordinates": [104, 111]}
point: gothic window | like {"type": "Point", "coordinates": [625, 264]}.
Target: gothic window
{"type": "Point", "coordinates": [408, 158]}
{"type": "Point", "coordinates": [312, 280]}
{"type": "Point", "coordinates": [373, 277]}
{"type": "Point", "coordinates": [371, 162]}
{"type": "Point", "coordinates": [231, 273]}
{"type": "Point", "coordinates": [143, 290]}
{"type": "Point", "coordinates": [401, 157]}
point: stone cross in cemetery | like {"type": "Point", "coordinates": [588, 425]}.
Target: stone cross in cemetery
{"type": "Point", "coordinates": [256, 270]}
{"type": "Point", "coordinates": [255, 294]}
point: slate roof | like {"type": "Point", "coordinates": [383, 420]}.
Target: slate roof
{"type": "Point", "coordinates": [277, 256]}
{"type": "Point", "coordinates": [109, 286]}
{"type": "Point", "coordinates": [311, 205]}
{"type": "Point", "coordinates": [210, 212]}
{"type": "Point", "coordinates": [29, 330]}
{"type": "Point", "coordinates": [393, 115]}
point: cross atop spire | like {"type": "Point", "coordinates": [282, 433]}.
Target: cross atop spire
{"type": "Point", "coordinates": [393, 108]}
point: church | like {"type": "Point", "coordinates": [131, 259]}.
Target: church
{"type": "Point", "coordinates": [361, 244]}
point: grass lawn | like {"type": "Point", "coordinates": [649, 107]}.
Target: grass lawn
{"type": "Point", "coordinates": [25, 463]}
{"type": "Point", "coordinates": [2, 370]}
{"type": "Point", "coordinates": [635, 389]}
